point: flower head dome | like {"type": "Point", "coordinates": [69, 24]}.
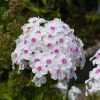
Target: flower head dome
{"type": "Point", "coordinates": [48, 47]}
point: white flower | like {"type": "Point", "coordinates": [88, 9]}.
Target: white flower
{"type": "Point", "coordinates": [39, 69]}
{"type": "Point", "coordinates": [26, 54]}
{"type": "Point", "coordinates": [54, 26]}
{"type": "Point", "coordinates": [48, 59]}
{"type": "Point", "coordinates": [61, 86]}
{"type": "Point", "coordinates": [16, 55]}
{"type": "Point", "coordinates": [35, 20]}
{"type": "Point", "coordinates": [37, 33]}
{"type": "Point", "coordinates": [73, 93]}
{"type": "Point", "coordinates": [39, 81]}
{"type": "Point", "coordinates": [95, 73]}
{"type": "Point", "coordinates": [49, 42]}
{"type": "Point", "coordinates": [57, 72]}
{"type": "Point", "coordinates": [64, 61]}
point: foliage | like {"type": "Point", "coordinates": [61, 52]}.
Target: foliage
{"type": "Point", "coordinates": [93, 96]}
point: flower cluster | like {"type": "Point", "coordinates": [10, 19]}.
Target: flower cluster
{"type": "Point", "coordinates": [48, 47]}
{"type": "Point", "coordinates": [93, 83]}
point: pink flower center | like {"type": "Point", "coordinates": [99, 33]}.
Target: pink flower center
{"type": "Point", "coordinates": [64, 27]}
{"type": "Point", "coordinates": [98, 70]}
{"type": "Point", "coordinates": [39, 68]}
{"type": "Point", "coordinates": [15, 55]}
{"type": "Point", "coordinates": [34, 21]}
{"type": "Point", "coordinates": [65, 78]}
{"type": "Point", "coordinates": [52, 28]}
{"type": "Point", "coordinates": [25, 51]}
{"type": "Point", "coordinates": [37, 59]}
{"type": "Point", "coordinates": [71, 49]}
{"type": "Point", "coordinates": [71, 70]}
{"type": "Point", "coordinates": [58, 71]}
{"type": "Point", "coordinates": [33, 40]}
{"type": "Point", "coordinates": [64, 61]}
{"type": "Point", "coordinates": [49, 61]}
{"type": "Point", "coordinates": [37, 78]}
{"type": "Point", "coordinates": [28, 30]}
{"type": "Point", "coordinates": [61, 40]}
{"type": "Point", "coordinates": [39, 32]}
{"type": "Point", "coordinates": [98, 55]}
{"type": "Point", "coordinates": [56, 51]}
{"type": "Point", "coordinates": [49, 45]}
{"type": "Point", "coordinates": [49, 35]}
{"type": "Point", "coordinates": [25, 41]}
{"type": "Point", "coordinates": [41, 51]}
{"type": "Point", "coordinates": [76, 49]}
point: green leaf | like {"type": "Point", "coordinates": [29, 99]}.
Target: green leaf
{"type": "Point", "coordinates": [44, 10]}
{"type": "Point", "coordinates": [44, 1]}
{"type": "Point", "coordinates": [7, 97]}
{"type": "Point", "coordinates": [31, 6]}
{"type": "Point", "coordinates": [39, 97]}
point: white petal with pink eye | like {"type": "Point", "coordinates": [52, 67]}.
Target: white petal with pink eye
{"type": "Point", "coordinates": [48, 59]}
{"type": "Point", "coordinates": [26, 55]}
{"type": "Point", "coordinates": [95, 73]}
{"type": "Point", "coordinates": [73, 93]}
{"type": "Point", "coordinates": [64, 60]}
{"type": "Point", "coordinates": [56, 49]}
{"type": "Point", "coordinates": [35, 21]}
{"type": "Point", "coordinates": [54, 26]}
{"type": "Point", "coordinates": [34, 37]}
{"type": "Point", "coordinates": [37, 55]}
{"type": "Point", "coordinates": [39, 31]}
{"type": "Point", "coordinates": [47, 41]}
{"type": "Point", "coordinates": [59, 37]}
{"type": "Point", "coordinates": [21, 38]}
{"type": "Point", "coordinates": [39, 81]}
{"type": "Point", "coordinates": [39, 69]}
{"type": "Point", "coordinates": [16, 55]}
{"type": "Point", "coordinates": [57, 73]}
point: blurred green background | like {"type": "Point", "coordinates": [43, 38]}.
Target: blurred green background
{"type": "Point", "coordinates": [82, 15]}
